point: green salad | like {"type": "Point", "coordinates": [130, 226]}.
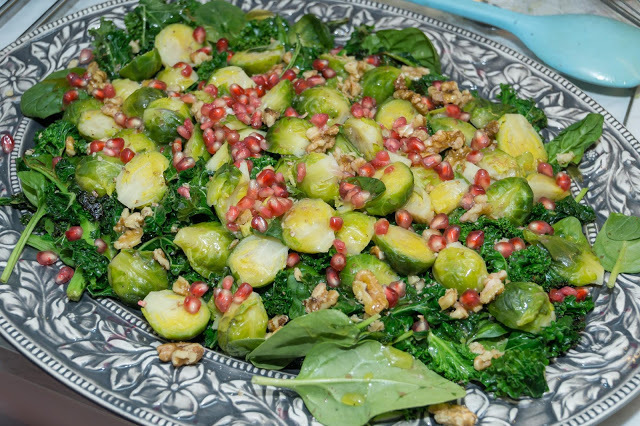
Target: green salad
{"type": "Point", "coordinates": [347, 211]}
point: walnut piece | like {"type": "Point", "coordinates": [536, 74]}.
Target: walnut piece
{"type": "Point", "coordinates": [414, 73]}
{"type": "Point", "coordinates": [453, 415]}
{"type": "Point", "coordinates": [320, 299]}
{"type": "Point", "coordinates": [161, 258]}
{"type": "Point", "coordinates": [69, 146]}
{"type": "Point", "coordinates": [459, 311]}
{"type": "Point", "coordinates": [130, 239]}
{"type": "Point", "coordinates": [448, 93]}
{"type": "Point", "coordinates": [449, 299]}
{"type": "Point", "coordinates": [377, 325]}
{"type": "Point", "coordinates": [369, 292]}
{"type": "Point", "coordinates": [97, 77]}
{"type": "Point", "coordinates": [277, 322]}
{"type": "Point", "coordinates": [270, 116]}
{"type": "Point", "coordinates": [348, 163]}
{"type": "Point", "coordinates": [180, 353]}
{"type": "Point", "coordinates": [322, 139]}
{"type": "Point", "coordinates": [181, 286]}
{"type": "Point", "coordinates": [480, 207]}
{"type": "Point", "coordinates": [375, 250]}
{"type": "Point", "coordinates": [442, 140]}
{"type": "Point", "coordinates": [491, 129]}
{"type": "Point", "coordinates": [493, 286]}
{"type": "Point", "coordinates": [483, 360]}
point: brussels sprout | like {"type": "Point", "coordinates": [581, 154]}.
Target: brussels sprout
{"type": "Point", "coordinates": [382, 271]}
{"type": "Point", "coordinates": [247, 320]}
{"type": "Point", "coordinates": [511, 198]}
{"type": "Point", "coordinates": [305, 227]}
{"type": "Point", "coordinates": [220, 158]}
{"type": "Point", "coordinates": [124, 87]}
{"type": "Point", "coordinates": [258, 60]}
{"type": "Point", "coordinates": [93, 124]}
{"type": "Point", "coordinates": [172, 104]}
{"type": "Point", "coordinates": [461, 268]}
{"type": "Point", "coordinates": [257, 260]}
{"type": "Point", "coordinates": [75, 109]}
{"type": "Point", "coordinates": [228, 185]}
{"type": "Point", "coordinates": [337, 63]}
{"type": "Point", "coordinates": [287, 166]}
{"type": "Point", "coordinates": [142, 66]}
{"type": "Point", "coordinates": [426, 179]}
{"type": "Point", "coordinates": [406, 251]}
{"type": "Point", "coordinates": [322, 176]}
{"type": "Point", "coordinates": [175, 80]}
{"type": "Point", "coordinates": [446, 196]}
{"type": "Point", "coordinates": [141, 181]}
{"type": "Point", "coordinates": [162, 118]}
{"type": "Point", "coordinates": [393, 109]}
{"type": "Point", "coordinates": [323, 100]}
{"type": "Point", "coordinates": [482, 111]}
{"type": "Point", "coordinates": [164, 311]}
{"type": "Point", "coordinates": [365, 134]}
{"type": "Point", "coordinates": [356, 232]}
{"type": "Point", "coordinates": [517, 136]}
{"type": "Point", "coordinates": [175, 43]}
{"type": "Point", "coordinates": [98, 173]}
{"type": "Point", "coordinates": [136, 141]}
{"type": "Point", "coordinates": [523, 306]}
{"type": "Point", "coordinates": [398, 181]}
{"type": "Point", "coordinates": [134, 274]}
{"type": "Point", "coordinates": [448, 124]}
{"type": "Point", "coordinates": [343, 146]}
{"type": "Point", "coordinates": [527, 163]}
{"type": "Point", "coordinates": [397, 158]}
{"type": "Point", "coordinates": [232, 122]}
{"type": "Point", "coordinates": [279, 98]}
{"type": "Point", "coordinates": [499, 164]}
{"type": "Point", "coordinates": [288, 136]}
{"type": "Point", "coordinates": [419, 205]}
{"type": "Point", "coordinates": [379, 83]}
{"type": "Point", "coordinates": [225, 77]}
{"type": "Point", "coordinates": [545, 186]}
{"type": "Point", "coordinates": [310, 31]}
{"type": "Point", "coordinates": [139, 100]}
{"type": "Point", "coordinates": [195, 146]}
{"type": "Point", "coordinates": [206, 246]}
{"type": "Point", "coordinates": [203, 96]}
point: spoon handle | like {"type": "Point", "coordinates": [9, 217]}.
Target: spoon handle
{"type": "Point", "coordinates": [477, 11]}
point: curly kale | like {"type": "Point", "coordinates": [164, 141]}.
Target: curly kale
{"type": "Point", "coordinates": [566, 207]}
{"type": "Point", "coordinates": [422, 85]}
{"type": "Point", "coordinates": [494, 230]}
{"type": "Point", "coordinates": [525, 107]}
{"type": "Point", "coordinates": [287, 293]}
{"type": "Point", "coordinates": [517, 373]}
{"type": "Point", "coordinates": [257, 33]}
{"type": "Point", "coordinates": [354, 46]}
{"type": "Point", "coordinates": [112, 50]}
{"type": "Point", "coordinates": [65, 169]}
{"type": "Point", "coordinates": [533, 264]}
{"type": "Point", "coordinates": [205, 69]}
{"type": "Point", "coordinates": [52, 139]}
{"type": "Point", "coordinates": [260, 163]}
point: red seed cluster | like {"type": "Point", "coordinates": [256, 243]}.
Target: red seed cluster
{"type": "Point", "coordinates": [223, 297]}
{"type": "Point", "coordinates": [365, 108]}
{"type": "Point", "coordinates": [354, 194]}
{"type": "Point", "coordinates": [558, 295]}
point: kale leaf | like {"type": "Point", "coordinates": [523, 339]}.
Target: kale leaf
{"type": "Point", "coordinates": [566, 207]}
{"type": "Point", "coordinates": [112, 50]}
{"type": "Point", "coordinates": [260, 163]}
{"type": "Point", "coordinates": [422, 85]}
{"type": "Point", "coordinates": [205, 69]}
{"type": "Point", "coordinates": [525, 107]}
{"type": "Point", "coordinates": [52, 139]}
{"type": "Point", "coordinates": [260, 32]}
{"type": "Point", "coordinates": [517, 373]}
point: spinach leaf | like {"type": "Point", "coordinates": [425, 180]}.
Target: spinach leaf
{"type": "Point", "coordinates": [621, 227]}
{"type": "Point", "coordinates": [45, 98]}
{"type": "Point", "coordinates": [220, 19]}
{"type": "Point", "coordinates": [574, 140]}
{"type": "Point", "coordinates": [348, 386]}
{"type": "Point", "coordinates": [619, 254]}
{"type": "Point", "coordinates": [411, 47]}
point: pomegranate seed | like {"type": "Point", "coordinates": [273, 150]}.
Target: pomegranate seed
{"type": "Point", "coordinates": [120, 119]}
{"type": "Point", "coordinates": [391, 295]}
{"type": "Point", "coordinates": [64, 275]}
{"type": "Point", "coordinates": [69, 96]}
{"type": "Point", "coordinates": [338, 261]}
{"type": "Point", "coordinates": [381, 227]}
{"type": "Point", "coordinates": [336, 223]}
{"type": "Point", "coordinates": [235, 90]}
{"type": "Point", "coordinates": [222, 45]}
{"type": "Point", "coordinates": [403, 218]}
{"type": "Point", "coordinates": [366, 170]}
{"type": "Point", "coordinates": [346, 187]}
{"type": "Point", "coordinates": [480, 140]}
{"type": "Point", "coordinates": [126, 155]}
{"type": "Point", "coordinates": [374, 60]}
{"type": "Point", "coordinates": [452, 234]}
{"type": "Point", "coordinates": [185, 163]}
{"type": "Point", "coordinates": [440, 221]}
{"type": "Point", "coordinates": [55, 161]}
{"type": "Point", "coordinates": [399, 287]}
{"type": "Point", "coordinates": [431, 161]}
{"type": "Point", "coordinates": [340, 246]}
{"type": "Point", "coordinates": [222, 298]}
{"type": "Point", "coordinates": [182, 131]}
{"type": "Point", "coordinates": [98, 94]}
{"type": "Point", "coordinates": [474, 156]}
{"type": "Point", "coordinates": [7, 143]}
{"type": "Point", "coordinates": [421, 325]}
{"type": "Point", "coordinates": [556, 296]}
{"type": "Point", "coordinates": [582, 294]}
{"type": "Point", "coordinates": [545, 169]}
{"type": "Point", "coordinates": [246, 202]}
{"type": "Point", "coordinates": [233, 227]}
{"type": "Point", "coordinates": [319, 120]}
{"type": "Point", "coordinates": [518, 243]}
{"type": "Point", "coordinates": [470, 299]}
{"type": "Point", "coordinates": [444, 170]}
{"type": "Point", "coordinates": [319, 64]}
{"type": "Point", "coordinates": [360, 199]}
{"type": "Point", "coordinates": [229, 55]}
{"type": "Point", "coordinates": [392, 144]}
{"type": "Point", "coordinates": [74, 233]}
{"type": "Point", "coordinates": [289, 75]}
{"type": "Point", "coordinates": [266, 177]}
{"type": "Point", "coordinates": [476, 190]}
{"type": "Point", "coordinates": [265, 193]}
{"type": "Point", "coordinates": [300, 86]}
{"type": "Point", "coordinates": [540, 227]}
{"type": "Point", "coordinates": [505, 248]}
{"type": "Point", "coordinates": [46, 258]}
{"type": "Point", "coordinates": [192, 304]}
{"type": "Point", "coordinates": [259, 224]}
{"type": "Point", "coordinates": [227, 282]}
{"type": "Point", "coordinates": [109, 91]}
{"type": "Point", "coordinates": [475, 239]}
{"type": "Point", "coordinates": [217, 113]}
{"type": "Point", "coordinates": [301, 172]}
{"type": "Point", "coordinates": [315, 80]}
{"type": "Point", "coordinates": [333, 279]}
{"type": "Point", "coordinates": [368, 102]}
{"type": "Point", "coordinates": [563, 181]}
{"type": "Point", "coordinates": [290, 112]}
{"type": "Point", "coordinates": [415, 145]}
{"type": "Point", "coordinates": [100, 245]}
{"type": "Point", "coordinates": [437, 243]}
{"type": "Point", "coordinates": [157, 84]}
{"type": "Point", "coordinates": [199, 288]}
{"type": "Point", "coordinates": [399, 122]}
{"type": "Point", "coordinates": [199, 35]}
{"type": "Point", "coordinates": [134, 123]}
{"type": "Point", "coordinates": [96, 146]}
{"type": "Point", "coordinates": [467, 201]}
{"type": "Point", "coordinates": [116, 144]}
{"type": "Point", "coordinates": [293, 259]}
{"type": "Point", "coordinates": [547, 203]}
{"type": "Point", "coordinates": [329, 73]}
{"type": "Point", "coordinates": [86, 56]}
{"type": "Point", "coordinates": [184, 191]}
{"type": "Point", "coordinates": [482, 179]}
{"type": "Point", "coordinates": [568, 291]}
{"type": "Point", "coordinates": [453, 110]}
{"type": "Point", "coordinates": [241, 294]}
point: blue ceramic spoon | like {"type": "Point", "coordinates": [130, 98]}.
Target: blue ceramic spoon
{"type": "Point", "coordinates": [590, 48]}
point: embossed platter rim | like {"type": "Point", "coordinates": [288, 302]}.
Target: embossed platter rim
{"type": "Point", "coordinates": [58, 354]}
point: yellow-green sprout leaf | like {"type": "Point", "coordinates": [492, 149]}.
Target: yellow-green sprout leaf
{"type": "Point", "coordinates": [175, 43]}
{"type": "Point", "coordinates": [141, 181]}
{"type": "Point", "coordinates": [257, 260]}
{"type": "Point", "coordinates": [206, 246]}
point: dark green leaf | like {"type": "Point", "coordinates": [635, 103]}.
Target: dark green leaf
{"type": "Point", "coordinates": [621, 227]}
{"type": "Point", "coordinates": [525, 107]}
{"type": "Point", "coordinates": [220, 19]}
{"type": "Point", "coordinates": [372, 185]}
{"type": "Point", "coordinates": [45, 98]}
{"type": "Point", "coordinates": [575, 139]}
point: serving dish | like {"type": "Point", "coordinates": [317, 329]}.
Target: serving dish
{"type": "Point", "coordinates": [106, 352]}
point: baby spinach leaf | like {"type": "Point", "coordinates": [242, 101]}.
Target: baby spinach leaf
{"type": "Point", "coordinates": [240, 348]}
{"type": "Point", "coordinates": [220, 19]}
{"type": "Point", "coordinates": [620, 255]}
{"type": "Point", "coordinates": [621, 227]}
{"type": "Point", "coordinates": [45, 98]}
{"type": "Point", "coordinates": [575, 139]}
{"type": "Point", "coordinates": [349, 386]}
{"type": "Point", "coordinates": [412, 45]}
{"type": "Point", "coordinates": [487, 329]}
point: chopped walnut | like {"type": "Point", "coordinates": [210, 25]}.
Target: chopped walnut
{"type": "Point", "coordinates": [287, 57]}
{"type": "Point", "coordinates": [442, 140]}
{"type": "Point", "coordinates": [483, 360]}
{"type": "Point", "coordinates": [134, 221]}
{"type": "Point", "coordinates": [377, 325]}
{"type": "Point", "coordinates": [480, 207]}
{"type": "Point", "coordinates": [270, 116]}
{"type": "Point", "coordinates": [413, 73]}
{"type": "Point", "coordinates": [180, 353]}
{"type": "Point", "coordinates": [181, 286]}
{"type": "Point", "coordinates": [97, 77]}
{"type": "Point", "coordinates": [130, 239]}
{"type": "Point", "coordinates": [369, 292]}
{"type": "Point", "coordinates": [449, 299]}
{"type": "Point", "coordinates": [453, 415]}
{"type": "Point", "coordinates": [418, 101]}
{"type": "Point", "coordinates": [322, 139]}
{"type": "Point", "coordinates": [69, 146]}
{"type": "Point", "coordinates": [491, 129]}
{"type": "Point", "coordinates": [457, 157]}
{"type": "Point", "coordinates": [428, 232]}
{"type": "Point", "coordinates": [375, 250]}
{"type": "Point", "coordinates": [135, 46]}
{"type": "Point", "coordinates": [112, 106]}
{"type": "Point", "coordinates": [279, 69]}
{"type": "Point", "coordinates": [350, 86]}
{"type": "Point", "coordinates": [199, 56]}
{"type": "Point", "coordinates": [320, 299]}
{"type": "Point", "coordinates": [448, 93]}
{"type": "Point", "coordinates": [297, 274]}
{"type": "Point", "coordinates": [493, 286]}
{"type": "Point", "coordinates": [459, 311]}
{"type": "Point", "coordinates": [309, 73]}
{"type": "Point", "coordinates": [196, 110]}
{"type": "Point", "coordinates": [277, 322]}
{"type": "Point", "coordinates": [161, 258]}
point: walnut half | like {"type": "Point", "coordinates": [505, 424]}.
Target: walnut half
{"type": "Point", "coordinates": [453, 415]}
{"type": "Point", "coordinates": [369, 292]}
{"type": "Point", "coordinates": [180, 353]}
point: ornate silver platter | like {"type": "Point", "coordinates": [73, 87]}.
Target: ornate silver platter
{"type": "Point", "coordinates": [107, 352]}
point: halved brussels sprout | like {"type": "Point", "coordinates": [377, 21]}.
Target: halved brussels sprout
{"type": "Point", "coordinates": [461, 268]}
{"type": "Point", "coordinates": [305, 227]}
{"type": "Point", "coordinates": [203, 96]}
{"type": "Point", "coordinates": [523, 306]}
{"type": "Point", "coordinates": [288, 136]}
{"type": "Point", "coordinates": [73, 111]}
{"type": "Point", "coordinates": [337, 63]}
{"type": "Point", "coordinates": [379, 83]}
{"type": "Point", "coordinates": [446, 196]}
{"type": "Point", "coordinates": [258, 60]}
{"type": "Point", "coordinates": [164, 311]}
{"type": "Point", "coordinates": [323, 100]}
{"type": "Point", "coordinates": [448, 124]}
{"type": "Point", "coordinates": [419, 205]}
{"type": "Point", "coordinates": [175, 80]}
{"type": "Point", "coordinates": [141, 181]}
{"type": "Point", "coordinates": [139, 100]}
{"type": "Point", "coordinates": [527, 163]}
{"type": "Point", "coordinates": [287, 166]}
{"type": "Point", "coordinates": [279, 98]}
{"type": "Point", "coordinates": [136, 141]}
{"type": "Point", "coordinates": [225, 77]}
{"type": "Point", "coordinates": [310, 31]}
{"type": "Point", "coordinates": [142, 66]}
{"type": "Point", "coordinates": [175, 43]}
{"type": "Point", "coordinates": [257, 260]}
{"type": "Point", "coordinates": [398, 181]}
{"type": "Point", "coordinates": [517, 136]}
{"type": "Point", "coordinates": [162, 117]}
{"type": "Point", "coordinates": [322, 176]}
{"type": "Point", "coordinates": [206, 246]}
{"type": "Point", "coordinates": [172, 104]}
{"type": "Point", "coordinates": [356, 232]}
{"type": "Point", "coordinates": [393, 109]}
{"type": "Point", "coordinates": [247, 320]}
{"type": "Point", "coordinates": [397, 158]}
{"type": "Point", "coordinates": [483, 111]}
{"type": "Point", "coordinates": [425, 178]}
{"type": "Point", "coordinates": [220, 158]}
{"type": "Point", "coordinates": [93, 124]}
{"type": "Point", "coordinates": [98, 173]}
{"type": "Point", "coordinates": [228, 185]}
{"type": "Point", "coordinates": [195, 146]}
{"type": "Point", "coordinates": [382, 271]}
{"type": "Point", "coordinates": [545, 186]}
{"type": "Point", "coordinates": [365, 135]}
{"type": "Point", "coordinates": [124, 87]}
{"type": "Point", "coordinates": [343, 146]}
{"type": "Point", "coordinates": [134, 274]}
{"type": "Point", "coordinates": [406, 251]}
{"type": "Point", "coordinates": [511, 198]}
{"type": "Point", "coordinates": [499, 164]}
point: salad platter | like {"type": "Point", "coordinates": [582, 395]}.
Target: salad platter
{"type": "Point", "coordinates": [388, 202]}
